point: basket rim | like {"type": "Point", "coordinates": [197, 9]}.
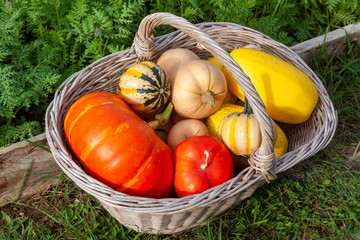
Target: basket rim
{"type": "Point", "coordinates": [142, 203]}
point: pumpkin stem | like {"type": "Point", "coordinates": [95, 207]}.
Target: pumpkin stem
{"type": "Point", "coordinates": [247, 107]}
{"type": "Point", "coordinates": [204, 165]}
{"type": "Point", "coordinates": [162, 118]}
{"type": "Point", "coordinates": [208, 97]}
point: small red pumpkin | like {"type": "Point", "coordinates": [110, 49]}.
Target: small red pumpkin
{"type": "Point", "coordinates": [117, 147]}
{"type": "Point", "coordinates": [201, 162]}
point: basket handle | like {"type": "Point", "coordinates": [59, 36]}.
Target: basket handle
{"type": "Point", "coordinates": [263, 159]}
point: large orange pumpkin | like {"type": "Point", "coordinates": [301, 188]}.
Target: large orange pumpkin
{"type": "Point", "coordinates": [117, 147]}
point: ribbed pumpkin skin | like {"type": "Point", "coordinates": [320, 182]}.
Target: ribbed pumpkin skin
{"type": "Point", "coordinates": [240, 132]}
{"type": "Point", "coordinates": [281, 144]}
{"type": "Point", "coordinates": [198, 90]}
{"type": "Point", "coordinates": [172, 58]}
{"type": "Point", "coordinates": [117, 147]}
{"type": "Point", "coordinates": [288, 93]}
{"type": "Point", "coordinates": [214, 120]}
{"type": "Point", "coordinates": [145, 87]}
{"type": "Point", "coordinates": [280, 148]}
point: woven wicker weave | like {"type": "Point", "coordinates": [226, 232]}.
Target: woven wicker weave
{"type": "Point", "coordinates": [175, 215]}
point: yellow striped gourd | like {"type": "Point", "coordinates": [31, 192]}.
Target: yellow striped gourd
{"type": "Point", "coordinates": [213, 121]}
{"type": "Point", "coordinates": [240, 132]}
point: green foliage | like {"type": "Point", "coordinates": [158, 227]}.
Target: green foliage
{"type": "Point", "coordinates": [318, 198]}
{"type": "Point", "coordinates": [42, 42]}
{"type": "Point", "coordinates": [27, 75]}
{"type": "Point", "coordinates": [188, 9]}
{"type": "Point", "coordinates": [340, 74]}
{"type": "Point", "coordinates": [287, 21]}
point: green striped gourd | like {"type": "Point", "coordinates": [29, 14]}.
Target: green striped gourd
{"type": "Point", "coordinates": [145, 87]}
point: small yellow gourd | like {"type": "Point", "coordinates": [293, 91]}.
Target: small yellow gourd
{"type": "Point", "coordinates": [213, 121]}
{"type": "Point", "coordinates": [240, 132]}
{"type": "Point", "coordinates": [280, 148]}
{"type": "Point", "coordinates": [281, 144]}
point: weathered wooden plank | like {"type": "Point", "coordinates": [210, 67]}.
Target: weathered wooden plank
{"type": "Point", "coordinates": [24, 168]}
{"type": "Point", "coordinates": [335, 42]}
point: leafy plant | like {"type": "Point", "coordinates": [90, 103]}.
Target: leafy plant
{"type": "Point", "coordinates": [43, 42]}
{"type": "Point", "coordinates": [27, 75]}
{"type": "Point", "coordinates": [282, 20]}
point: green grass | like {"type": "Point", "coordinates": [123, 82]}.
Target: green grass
{"type": "Point", "coordinates": [317, 199]}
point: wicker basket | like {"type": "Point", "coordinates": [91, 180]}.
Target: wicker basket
{"type": "Point", "coordinates": [176, 215]}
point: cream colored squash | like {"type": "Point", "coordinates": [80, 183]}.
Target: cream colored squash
{"type": "Point", "coordinates": [198, 89]}
{"type": "Point", "coordinates": [216, 62]}
{"type": "Point", "coordinates": [240, 132]}
{"type": "Point", "coordinates": [171, 59]}
{"type": "Point", "coordinates": [280, 148]}
{"type": "Point", "coordinates": [230, 97]}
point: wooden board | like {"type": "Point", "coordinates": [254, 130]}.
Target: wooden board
{"type": "Point", "coordinates": [26, 169]}
{"type": "Point", "coordinates": [336, 42]}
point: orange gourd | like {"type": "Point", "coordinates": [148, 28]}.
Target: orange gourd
{"type": "Point", "coordinates": [117, 147]}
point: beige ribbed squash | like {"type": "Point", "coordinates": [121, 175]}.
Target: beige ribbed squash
{"type": "Point", "coordinates": [198, 89]}
{"type": "Point", "coordinates": [230, 97]}
{"type": "Point", "coordinates": [172, 58]}
{"type": "Point", "coordinates": [280, 148]}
